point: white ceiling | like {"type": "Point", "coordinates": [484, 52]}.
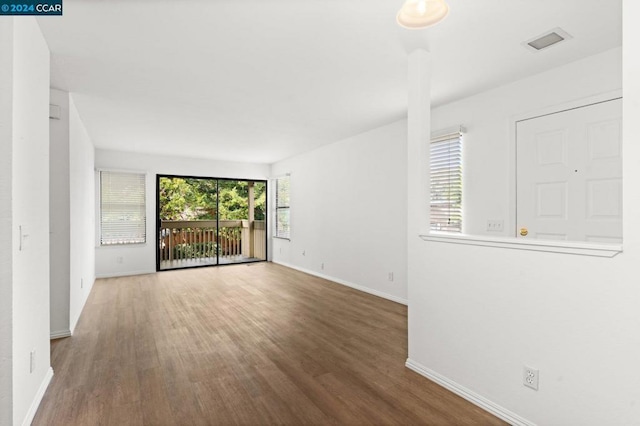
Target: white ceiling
{"type": "Point", "coordinates": [262, 80]}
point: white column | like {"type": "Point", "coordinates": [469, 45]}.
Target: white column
{"type": "Point", "coordinates": [419, 129]}
{"type": "Point", "coordinates": [631, 112]}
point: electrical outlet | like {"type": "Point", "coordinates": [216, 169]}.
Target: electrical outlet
{"type": "Point", "coordinates": [390, 276]}
{"type": "Point", "coordinates": [495, 225]}
{"type": "Point", "coordinates": [32, 361]}
{"type": "Point", "coordinates": [322, 266]}
{"type": "Point", "coordinates": [530, 377]}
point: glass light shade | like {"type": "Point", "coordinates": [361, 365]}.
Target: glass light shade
{"type": "Point", "coordinates": [417, 14]}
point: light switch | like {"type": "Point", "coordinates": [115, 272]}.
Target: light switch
{"type": "Point", "coordinates": [495, 225]}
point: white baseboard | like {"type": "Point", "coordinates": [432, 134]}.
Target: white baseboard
{"type": "Point", "coordinates": [124, 274]}
{"type": "Point", "coordinates": [479, 400]}
{"type": "Point", "coordinates": [38, 398]}
{"type": "Point", "coordinates": [346, 283]}
{"type": "Point", "coordinates": [59, 334]}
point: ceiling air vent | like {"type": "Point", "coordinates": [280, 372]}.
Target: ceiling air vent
{"type": "Point", "coordinates": [546, 40]}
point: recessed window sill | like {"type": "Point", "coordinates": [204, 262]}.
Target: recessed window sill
{"type": "Point", "coordinates": [576, 248]}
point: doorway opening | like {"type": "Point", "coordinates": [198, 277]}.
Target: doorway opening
{"type": "Point", "coordinates": [203, 221]}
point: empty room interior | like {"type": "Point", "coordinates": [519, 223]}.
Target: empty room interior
{"type": "Point", "coordinates": [358, 212]}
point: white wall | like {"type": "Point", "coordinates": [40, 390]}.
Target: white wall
{"type": "Point", "coordinates": [488, 150]}
{"type": "Point", "coordinates": [30, 210]}
{"type": "Point", "coordinates": [478, 314]}
{"type": "Point", "coordinates": [141, 258]}
{"type": "Point", "coordinates": [348, 211]}
{"type": "Point", "coordinates": [59, 215]}
{"type": "Point", "coordinates": [72, 215]}
{"type": "Point", "coordinates": [82, 203]}
{"type": "Point", "coordinates": [6, 240]}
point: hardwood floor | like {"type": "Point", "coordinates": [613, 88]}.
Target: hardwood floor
{"type": "Point", "coordinates": [255, 344]}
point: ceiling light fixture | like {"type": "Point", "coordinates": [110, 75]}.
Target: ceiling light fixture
{"type": "Point", "coordinates": [416, 14]}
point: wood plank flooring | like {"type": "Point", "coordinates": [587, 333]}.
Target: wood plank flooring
{"type": "Point", "coordinates": [256, 344]}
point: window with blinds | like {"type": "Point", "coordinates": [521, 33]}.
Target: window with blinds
{"type": "Point", "coordinates": [283, 227]}
{"type": "Point", "coordinates": [122, 208]}
{"type": "Point", "coordinates": [446, 183]}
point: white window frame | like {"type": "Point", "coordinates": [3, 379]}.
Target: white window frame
{"type": "Point", "coordinates": [445, 186]}
{"type": "Point", "coordinates": [137, 232]}
{"type": "Point", "coordinates": [282, 206]}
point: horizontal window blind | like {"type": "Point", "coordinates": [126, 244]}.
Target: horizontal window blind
{"type": "Point", "coordinates": [446, 183]}
{"type": "Point", "coordinates": [122, 208]}
{"type": "Point", "coordinates": [283, 210]}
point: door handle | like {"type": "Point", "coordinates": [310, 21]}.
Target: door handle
{"type": "Point", "coordinates": [524, 232]}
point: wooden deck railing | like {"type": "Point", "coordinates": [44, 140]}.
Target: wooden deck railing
{"type": "Point", "coordinates": [187, 239]}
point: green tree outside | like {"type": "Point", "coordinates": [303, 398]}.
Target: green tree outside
{"type": "Point", "coordinates": [195, 199]}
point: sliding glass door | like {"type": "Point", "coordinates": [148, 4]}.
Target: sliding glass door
{"type": "Point", "coordinates": [210, 221]}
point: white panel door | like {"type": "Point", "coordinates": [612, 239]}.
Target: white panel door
{"type": "Point", "coordinates": [569, 175]}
